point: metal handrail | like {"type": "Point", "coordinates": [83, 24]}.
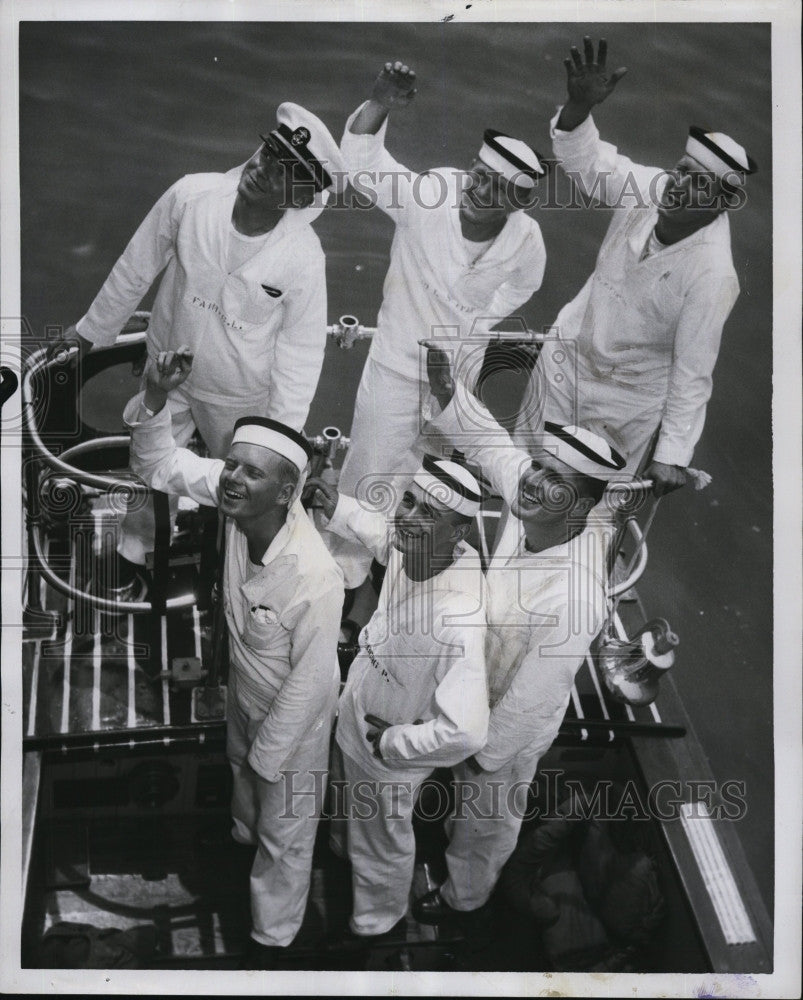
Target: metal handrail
{"type": "Point", "coordinates": [38, 362]}
{"type": "Point", "coordinates": [95, 444]}
{"type": "Point", "coordinates": [35, 365]}
{"type": "Point", "coordinates": [102, 603]}
{"type": "Point", "coordinates": [346, 331]}
{"type": "Point", "coordinates": [637, 572]}
{"type": "Point", "coordinates": [349, 329]}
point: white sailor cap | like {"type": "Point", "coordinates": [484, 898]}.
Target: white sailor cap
{"type": "Point", "coordinates": [276, 436]}
{"type": "Point", "coordinates": [512, 158]}
{"type": "Point", "coordinates": [720, 154]}
{"type": "Point", "coordinates": [305, 140]}
{"type": "Point", "coordinates": [450, 483]}
{"type": "Point", "coordinates": [584, 450]}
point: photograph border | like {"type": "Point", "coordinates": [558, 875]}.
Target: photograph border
{"type": "Point", "coordinates": [784, 16]}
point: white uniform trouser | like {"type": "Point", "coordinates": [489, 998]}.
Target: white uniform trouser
{"type": "Point", "coordinates": [381, 843]}
{"type": "Point", "coordinates": [381, 459]}
{"type": "Point", "coordinates": [566, 389]}
{"type": "Point", "coordinates": [280, 817]}
{"type": "Point", "coordinates": [489, 810]}
{"type": "Point", "coordinates": [215, 422]}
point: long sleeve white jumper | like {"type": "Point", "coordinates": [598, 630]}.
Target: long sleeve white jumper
{"type": "Point", "coordinates": [284, 620]}
{"type": "Point", "coordinates": [257, 332]}
{"type": "Point", "coordinates": [421, 657]}
{"type": "Point", "coordinates": [437, 285]}
{"type": "Point", "coordinates": [543, 608]}
{"type": "Point", "coordinates": [646, 324]}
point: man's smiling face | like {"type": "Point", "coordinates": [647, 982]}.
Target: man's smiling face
{"type": "Point", "coordinates": [254, 482]}
{"type": "Point", "coordinates": [424, 526]}
{"type": "Point", "coordinates": [551, 492]}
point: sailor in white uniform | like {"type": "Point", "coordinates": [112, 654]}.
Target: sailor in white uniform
{"type": "Point", "coordinates": [244, 288]}
{"type": "Point", "coordinates": [546, 601]}
{"type": "Point", "coordinates": [416, 695]}
{"type": "Point", "coordinates": [465, 255]}
{"type": "Point", "coordinates": [282, 596]}
{"type": "Point", "coordinates": [639, 342]}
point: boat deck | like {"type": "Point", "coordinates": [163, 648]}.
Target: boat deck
{"type": "Point", "coordinates": [125, 816]}
{"type": "Point", "coordinates": [131, 828]}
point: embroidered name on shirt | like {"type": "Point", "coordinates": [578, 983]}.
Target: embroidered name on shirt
{"type": "Point", "coordinates": [600, 280]}
{"type": "Point", "coordinates": [446, 297]}
{"type": "Point", "coordinates": [273, 292]}
{"type": "Point", "coordinates": [213, 307]}
{"type": "Point", "coordinates": [375, 663]}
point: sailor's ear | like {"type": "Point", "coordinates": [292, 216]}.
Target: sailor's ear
{"type": "Point", "coordinates": [304, 196]}
{"type": "Point", "coordinates": [286, 494]}
{"type": "Point", "coordinates": [460, 531]}
{"type": "Point", "coordinates": [730, 198]}
{"type": "Point", "coordinates": [584, 506]}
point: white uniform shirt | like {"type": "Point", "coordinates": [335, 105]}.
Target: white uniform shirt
{"type": "Point", "coordinates": [543, 608]}
{"type": "Point", "coordinates": [652, 323]}
{"type": "Point", "coordinates": [257, 332]}
{"type": "Point", "coordinates": [284, 620]}
{"type": "Point", "coordinates": [434, 286]}
{"type": "Point", "coordinates": [420, 657]}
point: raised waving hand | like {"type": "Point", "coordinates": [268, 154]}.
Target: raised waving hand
{"type": "Point", "coordinates": [394, 87]}
{"type": "Point", "coordinates": [588, 82]}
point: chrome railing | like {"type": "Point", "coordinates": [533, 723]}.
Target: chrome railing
{"type": "Point", "coordinates": [125, 486]}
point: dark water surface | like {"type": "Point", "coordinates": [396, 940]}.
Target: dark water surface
{"type": "Point", "coordinates": [112, 114]}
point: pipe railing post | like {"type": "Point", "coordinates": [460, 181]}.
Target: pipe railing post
{"type": "Point", "coordinates": [159, 578]}
{"type": "Point", "coordinates": [209, 698]}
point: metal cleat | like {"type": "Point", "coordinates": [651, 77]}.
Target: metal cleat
{"type": "Point", "coordinates": [632, 668]}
